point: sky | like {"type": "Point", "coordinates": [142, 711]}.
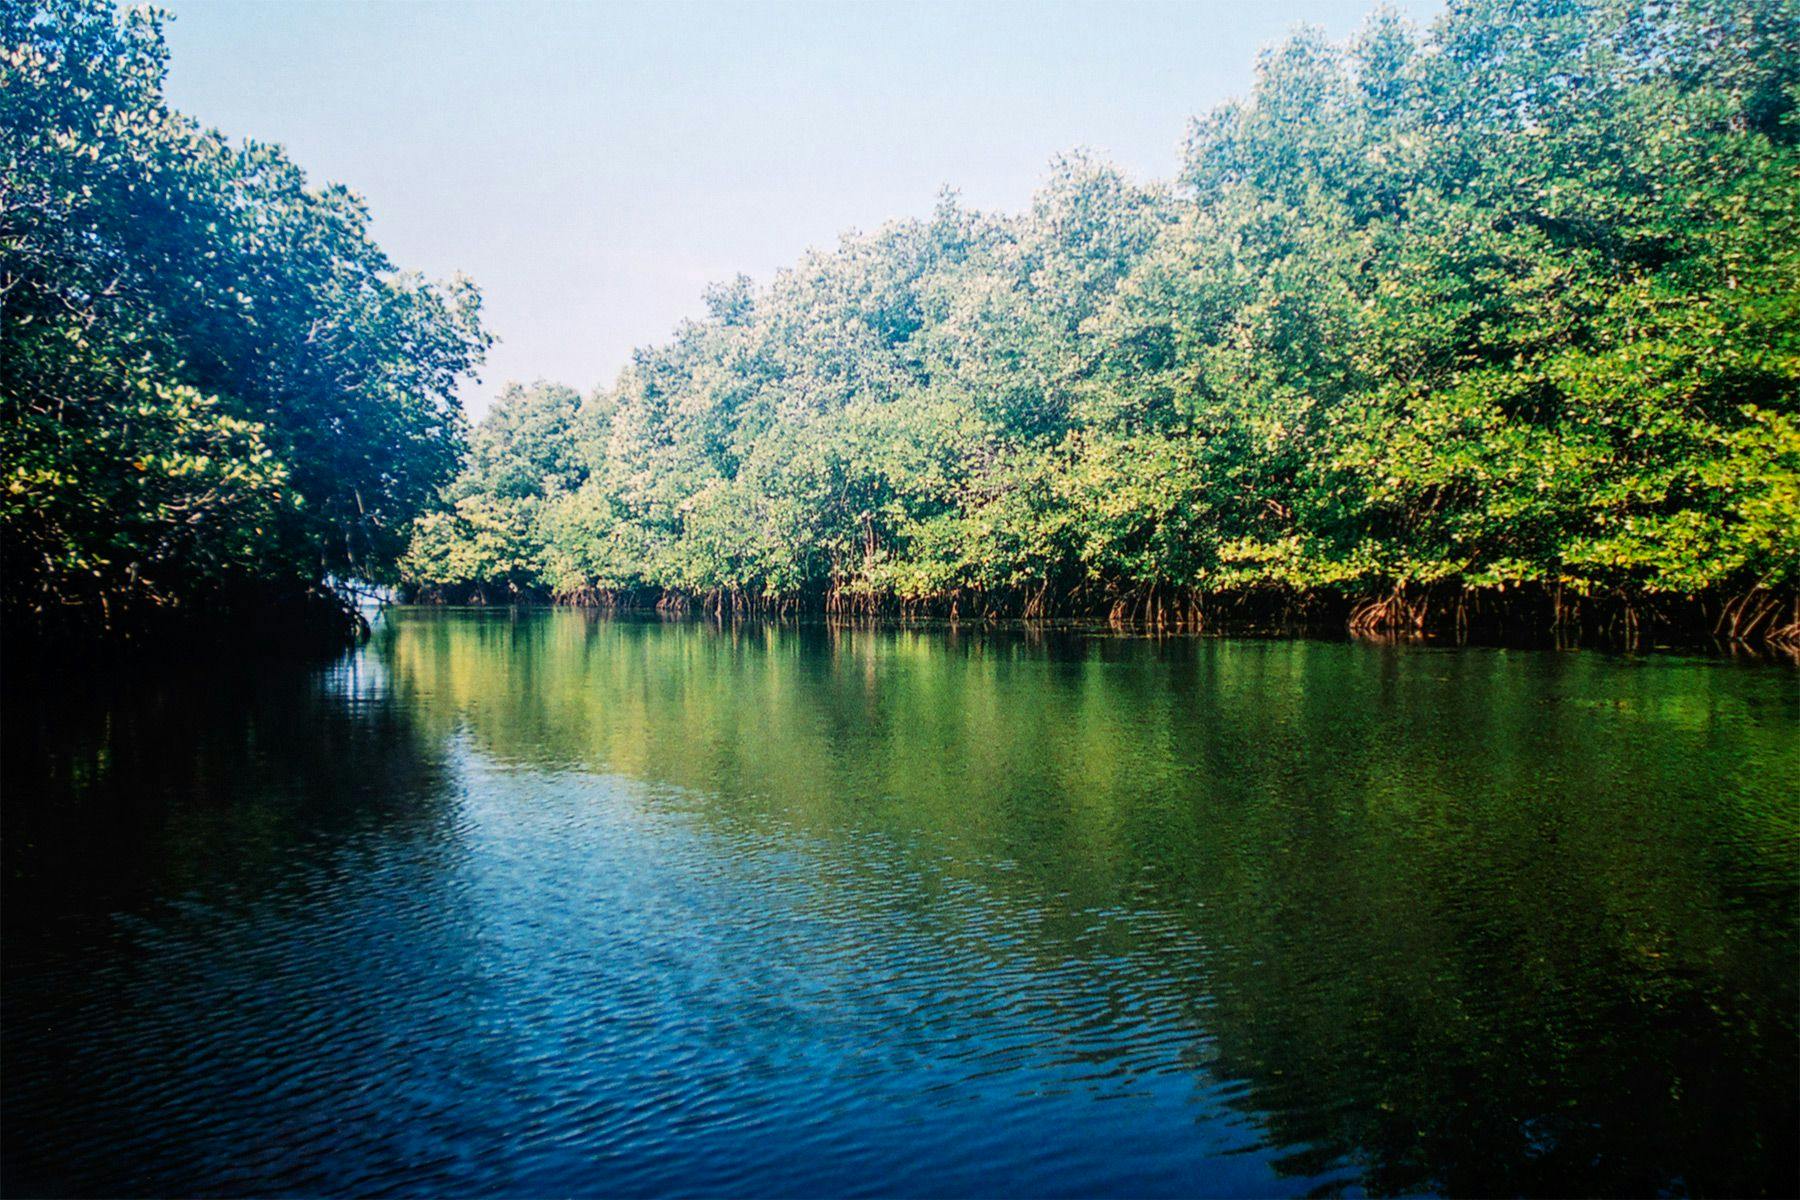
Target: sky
{"type": "Point", "coordinates": [594, 166]}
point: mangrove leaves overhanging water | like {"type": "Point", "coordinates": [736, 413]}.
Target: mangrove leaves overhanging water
{"type": "Point", "coordinates": [216, 392]}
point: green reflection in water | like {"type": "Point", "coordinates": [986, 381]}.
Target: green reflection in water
{"type": "Point", "coordinates": [1473, 920]}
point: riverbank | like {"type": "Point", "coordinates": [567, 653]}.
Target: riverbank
{"type": "Point", "coordinates": [305, 620]}
{"type": "Point", "coordinates": [1756, 618]}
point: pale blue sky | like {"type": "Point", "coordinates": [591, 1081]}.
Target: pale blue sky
{"type": "Point", "coordinates": [594, 166]}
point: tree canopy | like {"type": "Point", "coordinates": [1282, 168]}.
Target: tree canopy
{"type": "Point", "coordinates": [1507, 306]}
{"type": "Point", "coordinates": [216, 389]}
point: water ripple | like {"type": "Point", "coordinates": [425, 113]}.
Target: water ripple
{"type": "Point", "coordinates": [673, 921]}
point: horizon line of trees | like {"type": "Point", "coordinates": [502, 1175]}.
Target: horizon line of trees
{"type": "Point", "coordinates": [1497, 317]}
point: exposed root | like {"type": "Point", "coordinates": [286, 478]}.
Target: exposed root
{"type": "Point", "coordinates": [1758, 616]}
{"type": "Point", "coordinates": [1743, 615]}
{"type": "Point", "coordinates": [1394, 613]}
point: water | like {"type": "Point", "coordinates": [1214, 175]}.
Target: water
{"type": "Point", "coordinates": [549, 904]}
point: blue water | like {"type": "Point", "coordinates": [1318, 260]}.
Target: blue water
{"type": "Point", "coordinates": [549, 905]}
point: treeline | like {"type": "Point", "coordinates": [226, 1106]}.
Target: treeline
{"type": "Point", "coordinates": [1494, 321]}
{"type": "Point", "coordinates": [216, 394]}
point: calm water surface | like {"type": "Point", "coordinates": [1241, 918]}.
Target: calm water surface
{"type": "Point", "coordinates": [549, 904]}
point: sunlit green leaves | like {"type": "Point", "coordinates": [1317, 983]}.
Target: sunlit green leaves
{"type": "Point", "coordinates": [1510, 303]}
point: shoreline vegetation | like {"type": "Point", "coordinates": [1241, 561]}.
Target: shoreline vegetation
{"type": "Point", "coordinates": [1529, 618]}
{"type": "Point", "coordinates": [1485, 329]}
{"type": "Point", "coordinates": [1488, 329]}
{"type": "Point", "coordinates": [217, 395]}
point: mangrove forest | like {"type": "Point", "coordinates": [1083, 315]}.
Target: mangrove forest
{"type": "Point", "coordinates": [1493, 325]}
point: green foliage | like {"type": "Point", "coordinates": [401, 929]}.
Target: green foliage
{"type": "Point", "coordinates": [213, 379]}
{"type": "Point", "coordinates": [522, 460]}
{"type": "Point", "coordinates": [1511, 304]}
